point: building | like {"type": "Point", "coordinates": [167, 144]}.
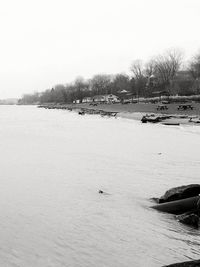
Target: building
{"type": "Point", "coordinates": [87, 99]}
{"type": "Point", "coordinates": [77, 101]}
{"type": "Point", "coordinates": [106, 98]}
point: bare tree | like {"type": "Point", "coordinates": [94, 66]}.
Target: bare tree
{"type": "Point", "coordinates": [80, 87]}
{"type": "Point", "coordinates": [101, 83]}
{"type": "Point", "coordinates": [139, 77]}
{"type": "Point", "coordinates": [166, 68]}
{"type": "Point", "coordinates": [194, 67]}
{"type": "Point", "coordinates": [121, 82]}
{"type": "Point", "coordinates": [137, 69]}
{"type": "Point", "coordinates": [149, 68]}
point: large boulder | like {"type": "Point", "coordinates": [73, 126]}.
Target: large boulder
{"type": "Point", "coordinates": [181, 192]}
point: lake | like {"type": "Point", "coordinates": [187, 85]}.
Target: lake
{"type": "Point", "coordinates": [54, 162]}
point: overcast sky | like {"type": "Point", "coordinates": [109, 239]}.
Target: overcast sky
{"type": "Point", "coordinates": [46, 42]}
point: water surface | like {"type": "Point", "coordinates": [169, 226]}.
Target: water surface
{"type": "Point", "coordinates": [54, 162]}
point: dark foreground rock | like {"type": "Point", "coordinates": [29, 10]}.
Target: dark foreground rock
{"type": "Point", "coordinates": [180, 192]}
{"type": "Point", "coordinates": [184, 202]}
{"type": "Point", "coordinates": [182, 206]}
{"type": "Point", "coordinates": [195, 263]}
{"type": "Point", "coordinates": [189, 219]}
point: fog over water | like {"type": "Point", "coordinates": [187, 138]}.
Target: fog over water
{"type": "Point", "coordinates": [54, 162]}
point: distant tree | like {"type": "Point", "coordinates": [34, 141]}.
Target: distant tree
{"type": "Point", "coordinates": [149, 68]}
{"type": "Point", "coordinates": [161, 73]}
{"type": "Point", "coordinates": [166, 67]}
{"type": "Point", "coordinates": [137, 69]}
{"type": "Point", "coordinates": [59, 94]}
{"type": "Point", "coordinates": [70, 94]}
{"type": "Point", "coordinates": [140, 80]}
{"type": "Point", "coordinates": [121, 82]}
{"type": "Point", "coordinates": [47, 96]}
{"type": "Point", "coordinates": [30, 98]}
{"type": "Point", "coordinates": [194, 66]}
{"type": "Point", "coordinates": [101, 84]}
{"type": "Point", "coordinates": [194, 69]}
{"type": "Point", "coordinates": [81, 86]}
{"type": "Point", "coordinates": [185, 87]}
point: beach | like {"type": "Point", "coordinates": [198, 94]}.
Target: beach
{"type": "Point", "coordinates": [137, 110]}
{"type": "Point", "coordinates": [144, 108]}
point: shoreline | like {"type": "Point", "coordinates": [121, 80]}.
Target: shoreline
{"type": "Point", "coordinates": [135, 111]}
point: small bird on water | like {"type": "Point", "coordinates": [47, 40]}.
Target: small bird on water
{"type": "Point", "coordinates": [102, 192]}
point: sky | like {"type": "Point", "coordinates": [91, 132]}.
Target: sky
{"type": "Point", "coordinates": [49, 42]}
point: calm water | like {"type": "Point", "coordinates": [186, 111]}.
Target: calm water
{"type": "Point", "coordinates": [52, 165]}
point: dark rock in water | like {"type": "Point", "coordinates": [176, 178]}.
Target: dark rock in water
{"type": "Point", "coordinates": [195, 263]}
{"type": "Point", "coordinates": [189, 219]}
{"type": "Point", "coordinates": [180, 192]}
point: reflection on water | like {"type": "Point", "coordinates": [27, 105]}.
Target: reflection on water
{"type": "Point", "coordinates": [53, 164]}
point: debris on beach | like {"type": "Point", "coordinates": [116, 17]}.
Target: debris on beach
{"type": "Point", "coordinates": [194, 120]}
{"type": "Point", "coordinates": [183, 201]}
{"type": "Point", "coordinates": [171, 123]}
{"type": "Point", "coordinates": [81, 112]}
{"type": "Point", "coordinates": [150, 118]}
{"type": "Point", "coordinates": [173, 120]}
{"type": "Point", "coordinates": [154, 118]}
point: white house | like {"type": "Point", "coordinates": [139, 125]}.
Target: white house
{"type": "Point", "coordinates": [77, 101]}
{"type": "Point", "coordinates": [106, 98]}
{"type": "Point", "coordinates": [87, 99]}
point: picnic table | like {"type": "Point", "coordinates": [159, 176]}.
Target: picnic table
{"type": "Point", "coordinates": [185, 107]}
{"type": "Point", "coordinates": [93, 104]}
{"type": "Point", "coordinates": [162, 107]}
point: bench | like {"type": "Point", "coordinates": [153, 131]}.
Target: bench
{"type": "Point", "coordinates": [185, 107]}
{"type": "Point", "coordinates": [93, 104]}
{"type": "Point", "coordinates": [162, 107]}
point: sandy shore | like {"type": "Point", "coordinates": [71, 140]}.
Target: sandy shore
{"type": "Point", "coordinates": [144, 108]}
{"type": "Point", "coordinates": [137, 111]}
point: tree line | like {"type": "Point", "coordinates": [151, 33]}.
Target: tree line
{"type": "Point", "coordinates": [164, 74]}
